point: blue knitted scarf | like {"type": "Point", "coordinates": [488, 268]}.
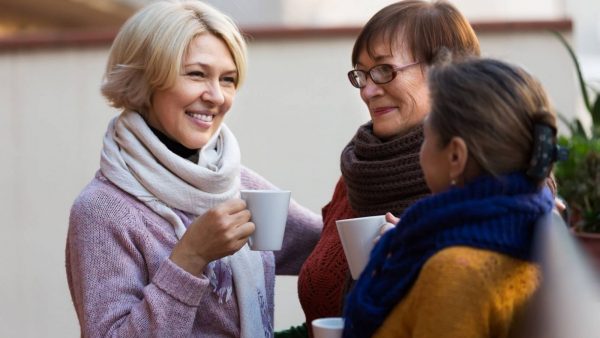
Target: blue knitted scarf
{"type": "Point", "coordinates": [497, 214]}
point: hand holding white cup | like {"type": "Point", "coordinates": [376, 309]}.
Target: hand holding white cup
{"type": "Point", "coordinates": [358, 238]}
{"type": "Point", "coordinates": [391, 223]}
{"type": "Point", "coordinates": [268, 210]}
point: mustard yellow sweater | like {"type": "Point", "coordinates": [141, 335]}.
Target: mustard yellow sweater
{"type": "Point", "coordinates": [463, 292]}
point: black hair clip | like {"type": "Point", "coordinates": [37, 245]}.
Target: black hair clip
{"type": "Point", "coordinates": [562, 153]}
{"type": "Point", "coordinates": [545, 151]}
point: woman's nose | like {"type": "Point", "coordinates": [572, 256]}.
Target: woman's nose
{"type": "Point", "coordinates": [370, 89]}
{"type": "Point", "coordinates": [213, 93]}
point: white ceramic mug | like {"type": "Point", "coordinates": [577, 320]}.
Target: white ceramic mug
{"type": "Point", "coordinates": [357, 236]}
{"type": "Point", "coordinates": [269, 210]}
{"type": "Point", "coordinates": [330, 327]}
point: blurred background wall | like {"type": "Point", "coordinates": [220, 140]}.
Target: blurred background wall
{"type": "Point", "coordinates": [292, 117]}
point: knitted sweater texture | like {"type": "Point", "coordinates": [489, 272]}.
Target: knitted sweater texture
{"type": "Point", "coordinates": [463, 292]}
{"type": "Point", "coordinates": [123, 284]}
{"type": "Point", "coordinates": [377, 177]}
{"type": "Point", "coordinates": [321, 282]}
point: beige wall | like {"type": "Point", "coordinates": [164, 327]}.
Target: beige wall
{"type": "Point", "coordinates": [292, 118]}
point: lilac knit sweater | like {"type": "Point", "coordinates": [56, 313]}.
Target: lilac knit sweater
{"type": "Point", "coordinates": [123, 284]}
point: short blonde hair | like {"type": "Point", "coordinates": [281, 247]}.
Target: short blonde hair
{"type": "Point", "coordinates": [147, 53]}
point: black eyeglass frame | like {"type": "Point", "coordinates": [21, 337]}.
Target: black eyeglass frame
{"type": "Point", "coordinates": [354, 74]}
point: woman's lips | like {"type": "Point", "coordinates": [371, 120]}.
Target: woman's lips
{"type": "Point", "coordinates": [200, 119]}
{"type": "Point", "coordinates": [382, 110]}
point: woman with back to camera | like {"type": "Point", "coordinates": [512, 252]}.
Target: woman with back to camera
{"type": "Point", "coordinates": [156, 245]}
{"type": "Point", "coordinates": [459, 263]}
{"type": "Point", "coordinates": [380, 165]}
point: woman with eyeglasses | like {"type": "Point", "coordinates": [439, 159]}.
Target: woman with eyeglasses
{"type": "Point", "coordinates": [380, 165]}
{"type": "Point", "coordinates": [460, 264]}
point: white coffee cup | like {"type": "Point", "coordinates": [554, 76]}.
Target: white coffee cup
{"type": "Point", "coordinates": [269, 210]}
{"type": "Point", "coordinates": [357, 236]}
{"type": "Point", "coordinates": [330, 327]}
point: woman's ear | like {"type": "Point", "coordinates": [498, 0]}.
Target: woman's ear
{"type": "Point", "coordinates": [458, 156]}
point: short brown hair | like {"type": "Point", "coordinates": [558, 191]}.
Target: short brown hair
{"type": "Point", "coordinates": [492, 106]}
{"type": "Point", "coordinates": [423, 27]}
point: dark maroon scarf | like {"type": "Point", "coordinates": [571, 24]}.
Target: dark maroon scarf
{"type": "Point", "coordinates": [381, 175]}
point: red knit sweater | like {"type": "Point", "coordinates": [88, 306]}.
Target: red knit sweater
{"type": "Point", "coordinates": [323, 275]}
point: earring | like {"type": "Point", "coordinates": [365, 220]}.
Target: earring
{"type": "Point", "coordinates": [453, 182]}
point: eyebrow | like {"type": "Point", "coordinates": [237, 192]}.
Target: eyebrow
{"type": "Point", "coordinates": [377, 59]}
{"type": "Point", "coordinates": [205, 65]}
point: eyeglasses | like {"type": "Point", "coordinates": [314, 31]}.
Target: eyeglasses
{"type": "Point", "coordinates": [380, 74]}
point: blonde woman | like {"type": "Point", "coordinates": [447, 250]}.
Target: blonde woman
{"type": "Point", "coordinates": [157, 240]}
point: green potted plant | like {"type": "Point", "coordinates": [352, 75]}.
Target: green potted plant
{"type": "Point", "coordinates": [578, 177]}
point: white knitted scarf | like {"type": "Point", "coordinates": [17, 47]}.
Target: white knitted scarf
{"type": "Point", "coordinates": [135, 160]}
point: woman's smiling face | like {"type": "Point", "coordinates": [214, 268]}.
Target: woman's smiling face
{"type": "Point", "coordinates": [193, 109]}
{"type": "Point", "coordinates": [400, 104]}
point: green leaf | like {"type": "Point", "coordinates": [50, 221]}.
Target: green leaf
{"type": "Point", "coordinates": [578, 127]}
{"type": "Point", "coordinates": [582, 84]}
{"type": "Point", "coordinates": [596, 113]}
{"type": "Point", "coordinates": [578, 177]}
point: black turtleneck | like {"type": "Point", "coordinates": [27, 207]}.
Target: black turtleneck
{"type": "Point", "coordinates": [173, 146]}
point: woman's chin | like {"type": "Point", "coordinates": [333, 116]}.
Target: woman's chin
{"type": "Point", "coordinates": [385, 131]}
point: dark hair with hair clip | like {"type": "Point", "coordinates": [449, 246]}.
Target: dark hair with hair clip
{"type": "Point", "coordinates": [501, 112]}
{"type": "Point", "coordinates": [545, 151]}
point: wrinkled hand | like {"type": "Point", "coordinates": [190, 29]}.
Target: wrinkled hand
{"type": "Point", "coordinates": [391, 222]}
{"type": "Point", "coordinates": [220, 232]}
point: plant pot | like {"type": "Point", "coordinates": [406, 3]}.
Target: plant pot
{"type": "Point", "coordinates": [590, 242]}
